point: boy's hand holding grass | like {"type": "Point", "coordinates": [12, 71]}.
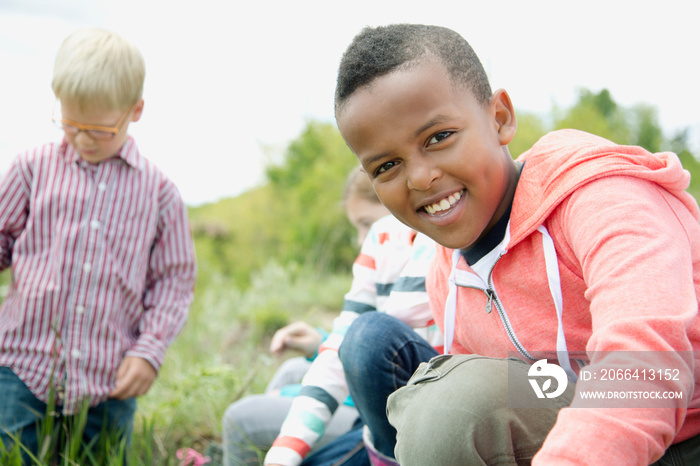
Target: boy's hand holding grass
{"type": "Point", "coordinates": [134, 378]}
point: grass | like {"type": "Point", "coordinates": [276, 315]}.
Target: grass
{"type": "Point", "coordinates": [60, 443]}
{"type": "Point", "coordinates": [220, 356]}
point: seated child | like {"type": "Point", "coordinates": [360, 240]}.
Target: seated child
{"type": "Point", "coordinates": [102, 258]}
{"type": "Point", "coordinates": [251, 424]}
{"type": "Point", "coordinates": [389, 277]}
{"type": "Point", "coordinates": [579, 249]}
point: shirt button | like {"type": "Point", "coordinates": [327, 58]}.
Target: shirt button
{"type": "Point", "coordinates": [79, 309]}
{"type": "Point", "coordinates": [75, 353]}
{"type": "Point", "coordinates": [102, 186]}
{"type": "Point", "coordinates": [87, 267]}
{"type": "Point", "coordinates": [95, 224]}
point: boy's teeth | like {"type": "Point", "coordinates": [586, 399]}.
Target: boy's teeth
{"type": "Point", "coordinates": [443, 204]}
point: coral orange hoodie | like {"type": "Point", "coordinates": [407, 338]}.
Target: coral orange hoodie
{"type": "Point", "coordinates": [622, 240]}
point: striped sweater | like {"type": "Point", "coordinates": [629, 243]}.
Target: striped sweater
{"type": "Point", "coordinates": [388, 276]}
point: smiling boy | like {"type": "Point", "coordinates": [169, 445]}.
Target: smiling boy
{"type": "Point", "coordinates": [580, 249]}
{"type": "Point", "coordinates": [102, 258]}
{"type": "Point", "coordinates": [418, 114]}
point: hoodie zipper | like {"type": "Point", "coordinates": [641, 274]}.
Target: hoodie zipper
{"type": "Point", "coordinates": [506, 323]}
{"type": "Point", "coordinates": [491, 298]}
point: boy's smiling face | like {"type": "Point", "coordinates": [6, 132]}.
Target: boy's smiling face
{"type": "Point", "coordinates": [436, 156]}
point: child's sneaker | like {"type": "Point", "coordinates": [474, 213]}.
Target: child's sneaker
{"type": "Point", "coordinates": [375, 457]}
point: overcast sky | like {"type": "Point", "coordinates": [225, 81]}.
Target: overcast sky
{"type": "Point", "coordinates": [230, 83]}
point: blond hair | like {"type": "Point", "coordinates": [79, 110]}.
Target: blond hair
{"type": "Point", "coordinates": [358, 184]}
{"type": "Point", "coordinates": [98, 68]}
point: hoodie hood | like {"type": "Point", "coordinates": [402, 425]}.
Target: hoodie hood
{"type": "Point", "coordinates": [564, 160]}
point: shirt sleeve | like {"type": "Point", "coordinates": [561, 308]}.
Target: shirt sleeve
{"type": "Point", "coordinates": [324, 386]}
{"type": "Point", "coordinates": [169, 283]}
{"type": "Point", "coordinates": [635, 245]}
{"type": "Point", "coordinates": [408, 300]}
{"type": "Point", "coordinates": [15, 194]}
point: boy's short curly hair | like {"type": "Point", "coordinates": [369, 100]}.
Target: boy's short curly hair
{"type": "Point", "coordinates": [98, 68]}
{"type": "Point", "coordinates": [375, 52]}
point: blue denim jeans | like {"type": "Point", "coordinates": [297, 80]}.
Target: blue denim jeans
{"type": "Point", "coordinates": [21, 412]}
{"type": "Point", "coordinates": [379, 355]}
{"type": "Point", "coordinates": [346, 450]}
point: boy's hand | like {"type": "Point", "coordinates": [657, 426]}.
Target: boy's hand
{"type": "Point", "coordinates": [134, 377]}
{"type": "Point", "coordinates": [299, 336]}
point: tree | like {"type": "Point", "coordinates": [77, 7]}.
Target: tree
{"type": "Point", "coordinates": [597, 114]}
{"type": "Point", "coordinates": [530, 129]}
{"type": "Point", "coordinates": [296, 216]}
{"type": "Point", "coordinates": [309, 216]}
{"type": "Point", "coordinates": [678, 143]}
{"type": "Point", "coordinates": [646, 129]}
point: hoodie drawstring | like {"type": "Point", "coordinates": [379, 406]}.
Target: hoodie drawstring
{"type": "Point", "coordinates": [554, 280]}
{"type": "Point", "coordinates": [552, 266]}
{"type": "Point", "coordinates": [451, 303]}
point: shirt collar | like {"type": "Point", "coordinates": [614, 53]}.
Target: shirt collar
{"type": "Point", "coordinates": [129, 153]}
{"type": "Point", "coordinates": [490, 240]}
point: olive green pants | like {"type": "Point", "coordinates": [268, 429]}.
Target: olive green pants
{"type": "Point", "coordinates": [473, 420]}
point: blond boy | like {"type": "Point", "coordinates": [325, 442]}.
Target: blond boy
{"type": "Point", "coordinates": [102, 258]}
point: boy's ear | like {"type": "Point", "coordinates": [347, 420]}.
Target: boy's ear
{"type": "Point", "coordinates": [504, 116]}
{"type": "Point", "coordinates": [138, 110]}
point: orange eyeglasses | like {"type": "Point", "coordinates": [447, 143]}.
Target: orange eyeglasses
{"type": "Point", "coordinates": [103, 133]}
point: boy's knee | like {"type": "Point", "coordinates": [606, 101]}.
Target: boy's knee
{"type": "Point", "coordinates": [366, 327]}
{"type": "Point", "coordinates": [465, 393]}
{"type": "Point", "coordinates": [446, 388]}
{"type": "Point", "coordinates": [367, 337]}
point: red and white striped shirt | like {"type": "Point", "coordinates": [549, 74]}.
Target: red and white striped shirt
{"type": "Point", "coordinates": [103, 267]}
